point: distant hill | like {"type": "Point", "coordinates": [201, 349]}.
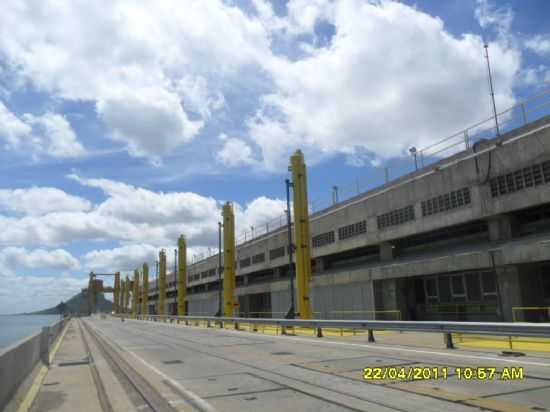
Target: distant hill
{"type": "Point", "coordinates": [77, 304]}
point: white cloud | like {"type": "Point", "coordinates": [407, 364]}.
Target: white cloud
{"type": "Point", "coordinates": [14, 259]}
{"type": "Point", "coordinates": [489, 15]}
{"type": "Point", "coordinates": [129, 215]}
{"type": "Point", "coordinates": [12, 129]}
{"type": "Point", "coordinates": [65, 227]}
{"type": "Point", "coordinates": [30, 293]}
{"type": "Point", "coordinates": [146, 66]}
{"type": "Point", "coordinates": [126, 257]}
{"type": "Point", "coordinates": [540, 44]}
{"type": "Point", "coordinates": [533, 75]}
{"type": "Point", "coordinates": [40, 200]}
{"type": "Point", "coordinates": [60, 138]}
{"type": "Point", "coordinates": [257, 213]}
{"type": "Point", "coordinates": [54, 138]}
{"type": "Point", "coordinates": [390, 76]}
{"type": "Point", "coordinates": [141, 206]}
{"type": "Point", "coordinates": [235, 152]}
{"type": "Point", "coordinates": [151, 122]}
{"type": "Point", "coordinates": [411, 83]}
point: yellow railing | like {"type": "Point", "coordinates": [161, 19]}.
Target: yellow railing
{"type": "Point", "coordinates": [274, 315]}
{"type": "Point", "coordinates": [542, 309]}
{"type": "Point", "coordinates": [510, 342]}
{"type": "Point", "coordinates": [394, 314]}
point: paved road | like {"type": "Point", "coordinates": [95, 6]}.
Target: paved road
{"type": "Point", "coordinates": [241, 371]}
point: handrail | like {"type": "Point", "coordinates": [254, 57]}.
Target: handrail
{"type": "Point", "coordinates": [478, 328]}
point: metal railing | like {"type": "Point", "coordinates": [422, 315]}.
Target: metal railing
{"type": "Point", "coordinates": [447, 328]}
{"type": "Point", "coordinates": [515, 116]}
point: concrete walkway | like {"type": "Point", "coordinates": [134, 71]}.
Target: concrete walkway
{"type": "Point", "coordinates": [68, 385]}
{"type": "Point", "coordinates": [229, 370]}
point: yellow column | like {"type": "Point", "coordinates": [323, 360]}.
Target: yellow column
{"type": "Point", "coordinates": [116, 293]}
{"type": "Point", "coordinates": [91, 293]}
{"type": "Point", "coordinates": [135, 295]}
{"type": "Point", "coordinates": [182, 275]}
{"type": "Point", "coordinates": [121, 297]}
{"type": "Point", "coordinates": [145, 290]}
{"type": "Point", "coordinates": [162, 282]}
{"type": "Point", "coordinates": [229, 301]}
{"type": "Point", "coordinates": [301, 233]}
{"type": "Point", "coordinates": [126, 294]}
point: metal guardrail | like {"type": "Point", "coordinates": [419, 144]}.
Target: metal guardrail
{"type": "Point", "coordinates": [447, 328]}
{"type": "Point", "coordinates": [520, 114]}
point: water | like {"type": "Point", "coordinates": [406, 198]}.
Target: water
{"type": "Point", "coordinates": [15, 328]}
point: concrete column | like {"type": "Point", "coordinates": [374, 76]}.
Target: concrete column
{"type": "Point", "coordinates": [367, 290]}
{"type": "Point", "coordinates": [319, 264]}
{"type": "Point", "coordinates": [508, 288]}
{"type": "Point", "coordinates": [502, 227]}
{"type": "Point", "coordinates": [45, 345]}
{"type": "Point", "coordinates": [390, 294]}
{"type": "Point", "coordinates": [386, 251]}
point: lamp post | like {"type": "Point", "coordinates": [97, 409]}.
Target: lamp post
{"type": "Point", "coordinates": [220, 268]}
{"type": "Point", "coordinates": [412, 151]}
{"type": "Point", "coordinates": [291, 310]}
{"type": "Point", "coordinates": [157, 287]}
{"type": "Point", "coordinates": [174, 305]}
{"type": "Point", "coordinates": [486, 46]}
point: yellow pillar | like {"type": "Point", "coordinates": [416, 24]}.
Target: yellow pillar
{"type": "Point", "coordinates": [301, 233]}
{"type": "Point", "coordinates": [126, 294]}
{"type": "Point", "coordinates": [182, 275]}
{"type": "Point", "coordinates": [116, 293]}
{"type": "Point", "coordinates": [135, 295]}
{"type": "Point", "coordinates": [145, 290]}
{"type": "Point", "coordinates": [162, 282]}
{"type": "Point", "coordinates": [229, 301]}
{"type": "Point", "coordinates": [91, 293]}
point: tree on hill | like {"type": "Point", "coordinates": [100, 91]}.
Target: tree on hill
{"type": "Point", "coordinates": [61, 308]}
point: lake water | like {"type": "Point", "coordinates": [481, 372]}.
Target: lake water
{"type": "Point", "coordinates": [15, 328]}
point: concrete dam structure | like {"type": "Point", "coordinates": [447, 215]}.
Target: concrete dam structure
{"type": "Point", "coordinates": [465, 238]}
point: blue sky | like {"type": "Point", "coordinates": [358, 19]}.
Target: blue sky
{"type": "Point", "coordinates": [123, 125]}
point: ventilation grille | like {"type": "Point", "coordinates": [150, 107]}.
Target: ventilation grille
{"type": "Point", "coordinates": [445, 202]}
{"type": "Point", "coordinates": [276, 253]}
{"type": "Point", "coordinates": [259, 258]}
{"type": "Point", "coordinates": [352, 230]}
{"type": "Point", "coordinates": [395, 217]}
{"type": "Point", "coordinates": [323, 239]}
{"type": "Point", "coordinates": [520, 179]}
{"type": "Point", "coordinates": [192, 278]}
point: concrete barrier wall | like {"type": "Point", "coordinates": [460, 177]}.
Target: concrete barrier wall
{"type": "Point", "coordinates": [20, 359]}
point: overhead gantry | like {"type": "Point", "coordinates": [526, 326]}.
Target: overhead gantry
{"type": "Point", "coordinates": [95, 287]}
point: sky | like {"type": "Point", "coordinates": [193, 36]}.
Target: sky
{"type": "Point", "coordinates": [124, 124]}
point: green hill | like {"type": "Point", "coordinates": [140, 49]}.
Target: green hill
{"type": "Point", "coordinates": [78, 304]}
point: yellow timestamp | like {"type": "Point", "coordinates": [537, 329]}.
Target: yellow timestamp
{"type": "Point", "coordinates": [482, 373]}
